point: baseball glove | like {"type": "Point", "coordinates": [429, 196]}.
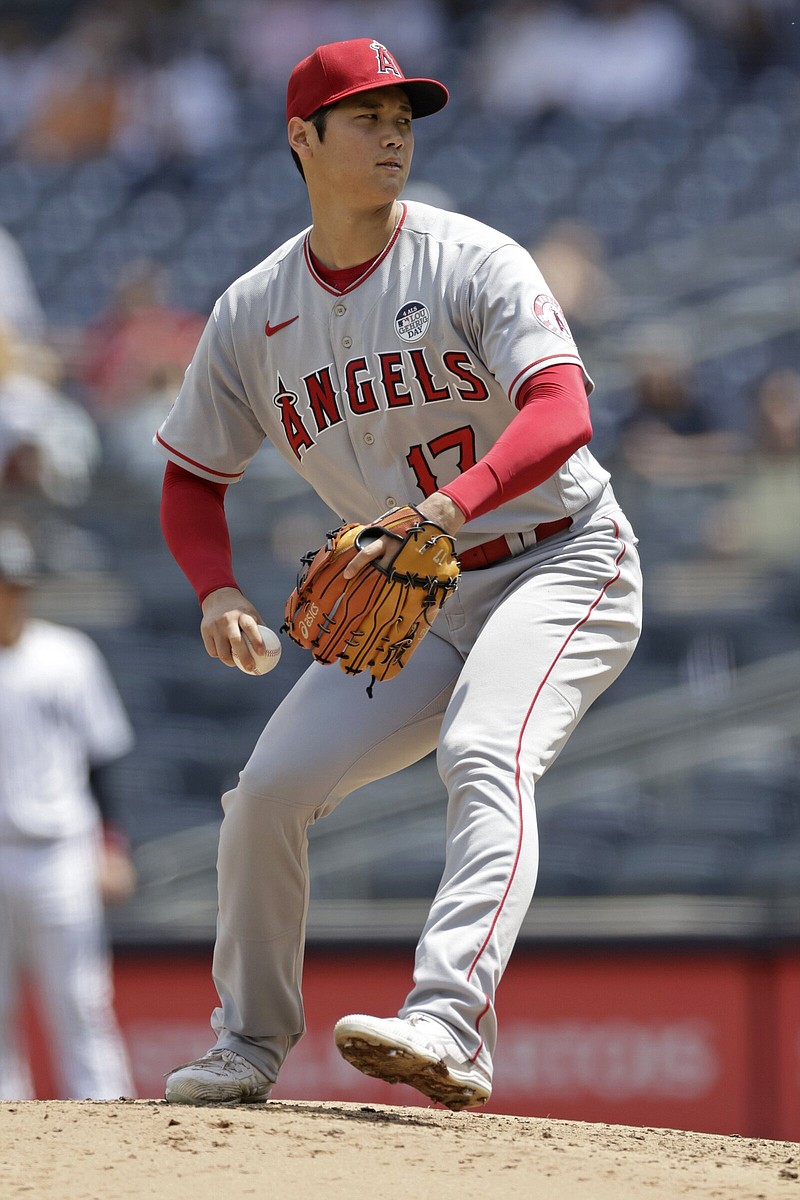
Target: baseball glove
{"type": "Point", "coordinates": [376, 620]}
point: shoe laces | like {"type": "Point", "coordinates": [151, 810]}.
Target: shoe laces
{"type": "Point", "coordinates": [220, 1058]}
{"type": "Point", "coordinates": [215, 1061]}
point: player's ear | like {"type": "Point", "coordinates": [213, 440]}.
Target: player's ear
{"type": "Point", "coordinates": [300, 137]}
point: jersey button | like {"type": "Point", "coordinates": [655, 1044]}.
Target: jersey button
{"type": "Point", "coordinates": [347, 342]}
{"type": "Point", "coordinates": [340, 310]}
{"type": "Point", "coordinates": [390, 500]}
{"type": "Point", "coordinates": [369, 438]}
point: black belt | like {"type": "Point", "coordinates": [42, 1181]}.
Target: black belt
{"type": "Point", "coordinates": [498, 550]}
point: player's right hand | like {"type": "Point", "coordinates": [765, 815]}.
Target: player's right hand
{"type": "Point", "coordinates": [226, 615]}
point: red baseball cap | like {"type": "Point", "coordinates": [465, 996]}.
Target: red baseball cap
{"type": "Point", "coordinates": [342, 69]}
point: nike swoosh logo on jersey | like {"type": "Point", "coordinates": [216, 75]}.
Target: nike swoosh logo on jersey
{"type": "Point", "coordinates": [270, 329]}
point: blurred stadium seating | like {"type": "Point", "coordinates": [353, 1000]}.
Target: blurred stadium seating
{"type": "Point", "coordinates": [684, 779]}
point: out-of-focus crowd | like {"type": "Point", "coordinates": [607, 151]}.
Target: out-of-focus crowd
{"type": "Point", "coordinates": [647, 152]}
{"type": "Point", "coordinates": [164, 76]}
{"type": "Point", "coordinates": [166, 86]}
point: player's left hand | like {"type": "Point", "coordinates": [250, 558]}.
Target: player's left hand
{"type": "Point", "coordinates": [116, 872]}
{"type": "Point", "coordinates": [375, 621]}
{"type": "Point", "coordinates": [438, 508]}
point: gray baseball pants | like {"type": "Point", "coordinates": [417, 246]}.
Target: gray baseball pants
{"type": "Point", "coordinates": [513, 662]}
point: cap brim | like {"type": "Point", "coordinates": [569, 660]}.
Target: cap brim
{"type": "Point", "coordinates": [426, 95]}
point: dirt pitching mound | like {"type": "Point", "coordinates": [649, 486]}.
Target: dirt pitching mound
{"type": "Point", "coordinates": [145, 1149]}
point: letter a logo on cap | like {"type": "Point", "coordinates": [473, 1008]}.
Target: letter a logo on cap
{"type": "Point", "coordinates": [386, 64]}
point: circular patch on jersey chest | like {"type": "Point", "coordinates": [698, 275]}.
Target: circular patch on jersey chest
{"type": "Point", "coordinates": [412, 321]}
{"type": "Point", "coordinates": [548, 312]}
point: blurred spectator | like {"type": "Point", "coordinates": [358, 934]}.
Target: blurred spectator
{"type": "Point", "coordinates": [61, 724]}
{"type": "Point", "coordinates": [49, 445]}
{"type": "Point", "coordinates": [127, 433]}
{"type": "Point", "coordinates": [20, 307]}
{"type": "Point", "coordinates": [22, 74]}
{"type": "Point", "coordinates": [672, 461]}
{"type": "Point", "coordinates": [760, 522]}
{"type": "Point", "coordinates": [571, 256]}
{"type": "Point", "coordinates": [669, 438]}
{"type": "Point", "coordinates": [80, 106]}
{"type": "Point", "coordinates": [141, 339]}
{"type": "Point", "coordinates": [182, 106]}
{"type": "Point", "coordinates": [753, 29]}
{"type": "Point", "coordinates": [416, 30]}
{"type": "Point", "coordinates": [266, 40]}
{"type": "Point", "coordinates": [625, 58]}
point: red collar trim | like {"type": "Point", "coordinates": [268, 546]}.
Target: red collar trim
{"type": "Point", "coordinates": [373, 265]}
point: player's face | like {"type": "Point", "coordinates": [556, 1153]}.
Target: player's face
{"type": "Point", "coordinates": [367, 148]}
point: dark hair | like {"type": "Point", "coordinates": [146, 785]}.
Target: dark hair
{"type": "Point", "coordinates": [319, 119]}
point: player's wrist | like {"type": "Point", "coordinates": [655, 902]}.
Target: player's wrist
{"type": "Point", "coordinates": [223, 594]}
{"type": "Point", "coordinates": [444, 511]}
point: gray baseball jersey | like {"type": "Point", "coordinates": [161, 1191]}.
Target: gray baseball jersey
{"type": "Point", "coordinates": [387, 391]}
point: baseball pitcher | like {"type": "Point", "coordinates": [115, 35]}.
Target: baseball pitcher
{"type": "Point", "coordinates": [479, 588]}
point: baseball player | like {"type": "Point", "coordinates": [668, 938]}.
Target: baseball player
{"type": "Point", "coordinates": [394, 353]}
{"type": "Point", "coordinates": [61, 724]}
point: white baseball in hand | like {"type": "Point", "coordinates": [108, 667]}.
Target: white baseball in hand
{"type": "Point", "coordinates": [266, 661]}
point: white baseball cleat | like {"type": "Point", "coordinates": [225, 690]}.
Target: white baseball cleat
{"type": "Point", "coordinates": [220, 1077]}
{"type": "Point", "coordinates": [416, 1050]}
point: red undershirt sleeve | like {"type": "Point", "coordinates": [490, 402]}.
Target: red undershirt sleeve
{"type": "Point", "coordinates": [553, 423]}
{"type": "Point", "coordinates": [196, 530]}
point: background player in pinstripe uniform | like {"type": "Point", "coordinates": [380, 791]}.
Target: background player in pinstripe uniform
{"type": "Point", "coordinates": [62, 723]}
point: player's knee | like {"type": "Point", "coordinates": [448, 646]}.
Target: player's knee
{"type": "Point", "coordinates": [466, 762]}
{"type": "Point", "coordinates": [257, 794]}
{"type": "Point", "coordinates": [458, 758]}
{"type": "Point", "coordinates": [267, 777]}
